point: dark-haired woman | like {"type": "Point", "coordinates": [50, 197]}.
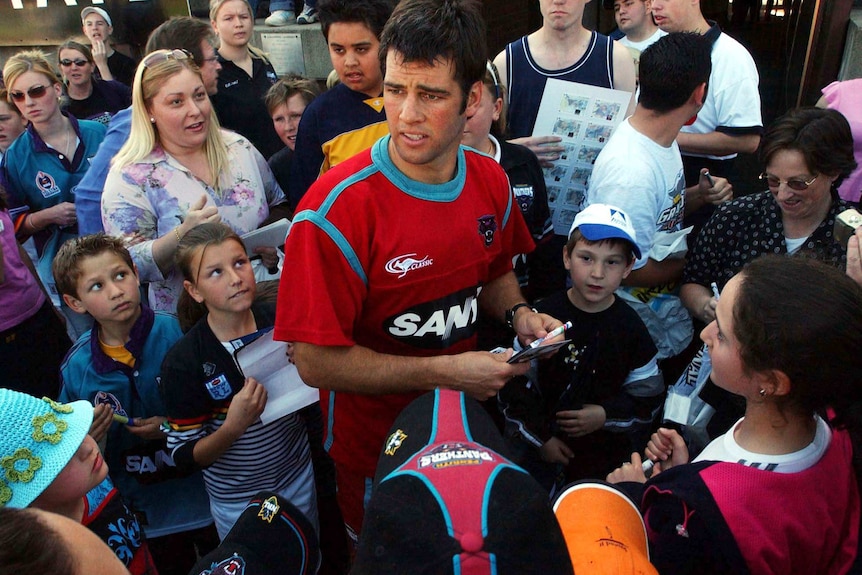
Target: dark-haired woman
{"type": "Point", "coordinates": [89, 98]}
{"type": "Point", "coordinates": [777, 493]}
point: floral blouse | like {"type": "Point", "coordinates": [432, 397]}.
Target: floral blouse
{"type": "Point", "coordinates": [151, 197]}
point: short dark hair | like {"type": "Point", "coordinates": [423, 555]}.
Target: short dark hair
{"type": "Point", "coordinates": [67, 263]}
{"type": "Point", "coordinates": [28, 545]}
{"type": "Point", "coordinates": [576, 236]}
{"type": "Point", "coordinates": [671, 69]}
{"type": "Point", "coordinates": [372, 13]}
{"type": "Point", "coordinates": [437, 30]}
{"type": "Point", "coordinates": [803, 318]}
{"type": "Point", "coordinates": [184, 33]}
{"type": "Point", "coordinates": [822, 136]}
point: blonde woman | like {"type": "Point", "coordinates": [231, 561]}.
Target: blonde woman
{"type": "Point", "coordinates": [45, 163]}
{"type": "Point", "coordinates": [245, 77]}
{"type": "Point", "coordinates": [178, 170]}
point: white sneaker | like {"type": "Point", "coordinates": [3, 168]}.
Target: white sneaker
{"type": "Point", "coordinates": [307, 16]}
{"type": "Point", "coordinates": [280, 18]}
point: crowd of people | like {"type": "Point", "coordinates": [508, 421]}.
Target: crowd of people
{"type": "Point", "coordinates": [566, 380]}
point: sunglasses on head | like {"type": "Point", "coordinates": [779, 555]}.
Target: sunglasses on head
{"type": "Point", "coordinates": [160, 56]}
{"type": "Point", "coordinates": [34, 92]}
{"type": "Point", "coordinates": [797, 184]}
{"type": "Point", "coordinates": [77, 62]}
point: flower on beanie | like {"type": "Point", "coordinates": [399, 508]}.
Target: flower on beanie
{"type": "Point", "coordinates": [21, 466]}
{"type": "Point", "coordinates": [47, 427]}
{"type": "Point", "coordinates": [38, 438]}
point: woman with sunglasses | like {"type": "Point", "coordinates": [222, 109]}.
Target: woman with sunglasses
{"type": "Point", "coordinates": [45, 163]}
{"type": "Point", "coordinates": [245, 77]}
{"type": "Point", "coordinates": [89, 98]}
{"type": "Point", "coordinates": [806, 154]}
{"type": "Point", "coordinates": [179, 169]}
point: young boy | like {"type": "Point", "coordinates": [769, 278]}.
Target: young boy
{"type": "Point", "coordinates": [112, 65]}
{"type": "Point", "coordinates": [349, 118]}
{"type": "Point", "coordinates": [593, 401]}
{"type": "Point", "coordinates": [48, 461]}
{"type": "Point", "coordinates": [115, 367]}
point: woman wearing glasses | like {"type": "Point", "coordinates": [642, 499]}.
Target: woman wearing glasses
{"type": "Point", "coordinates": [178, 170]}
{"type": "Point", "coordinates": [806, 154]}
{"type": "Point", "coordinates": [89, 98]}
{"type": "Point", "coordinates": [45, 163]}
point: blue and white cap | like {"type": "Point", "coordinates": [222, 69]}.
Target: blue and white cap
{"type": "Point", "coordinates": [599, 222]}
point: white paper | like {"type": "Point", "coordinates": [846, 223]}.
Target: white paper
{"type": "Point", "coordinates": [671, 245]}
{"type": "Point", "coordinates": [584, 117]}
{"type": "Point", "coordinates": [266, 360]}
{"type": "Point", "coordinates": [269, 236]}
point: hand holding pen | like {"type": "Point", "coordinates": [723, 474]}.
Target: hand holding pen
{"type": "Point", "coordinates": [551, 335]}
{"type": "Point", "coordinates": [713, 189]}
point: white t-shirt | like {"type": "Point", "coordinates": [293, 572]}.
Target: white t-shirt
{"type": "Point", "coordinates": [642, 45]}
{"type": "Point", "coordinates": [732, 98]}
{"type": "Point", "coordinates": [725, 448]}
{"type": "Point", "coordinates": [645, 180]}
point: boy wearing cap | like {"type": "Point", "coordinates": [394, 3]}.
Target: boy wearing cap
{"type": "Point", "coordinates": [594, 400]}
{"type": "Point", "coordinates": [115, 367]}
{"type": "Point", "coordinates": [112, 65]}
{"type": "Point", "coordinates": [48, 461]}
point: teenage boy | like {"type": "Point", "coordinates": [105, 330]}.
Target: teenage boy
{"type": "Point", "coordinates": [729, 121]}
{"type": "Point", "coordinates": [112, 65]}
{"type": "Point", "coordinates": [115, 367]}
{"type": "Point", "coordinates": [349, 118]}
{"type": "Point", "coordinates": [640, 170]}
{"type": "Point", "coordinates": [380, 311]}
{"type": "Point", "coordinates": [634, 19]}
{"type": "Point", "coordinates": [565, 50]}
{"type": "Point", "coordinates": [597, 396]}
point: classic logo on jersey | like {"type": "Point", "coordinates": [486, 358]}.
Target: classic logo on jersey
{"type": "Point", "coordinates": [269, 509]}
{"type": "Point", "coordinates": [437, 324]}
{"type": "Point", "coordinates": [218, 388]}
{"type": "Point", "coordinates": [400, 265]}
{"type": "Point", "coordinates": [46, 184]}
{"type": "Point", "coordinates": [487, 228]}
{"type": "Point", "coordinates": [103, 397]}
{"type": "Point", "coordinates": [524, 196]}
{"type": "Point", "coordinates": [209, 369]}
{"type": "Point", "coordinates": [394, 442]}
{"type": "Point", "coordinates": [452, 454]}
{"type": "Point", "coordinates": [234, 565]}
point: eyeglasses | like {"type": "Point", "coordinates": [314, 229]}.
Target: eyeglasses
{"type": "Point", "coordinates": [796, 184]}
{"type": "Point", "coordinates": [35, 92]}
{"type": "Point", "coordinates": [65, 62]}
{"type": "Point", "coordinates": [160, 56]}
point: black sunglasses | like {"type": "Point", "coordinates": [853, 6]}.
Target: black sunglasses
{"type": "Point", "coordinates": [77, 62]}
{"type": "Point", "coordinates": [34, 92]}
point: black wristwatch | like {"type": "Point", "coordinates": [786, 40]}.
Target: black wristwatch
{"type": "Point", "coordinates": [510, 313]}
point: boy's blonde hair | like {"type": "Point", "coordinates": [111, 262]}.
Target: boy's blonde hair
{"type": "Point", "coordinates": [69, 259]}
